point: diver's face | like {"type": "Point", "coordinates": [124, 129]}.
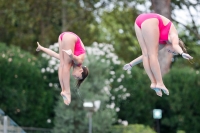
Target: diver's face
{"type": "Point", "coordinates": [77, 73]}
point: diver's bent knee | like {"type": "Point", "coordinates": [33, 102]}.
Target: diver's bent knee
{"type": "Point", "coordinates": [153, 55]}
{"type": "Point", "coordinates": [145, 54]}
{"type": "Point", "coordinates": [61, 65]}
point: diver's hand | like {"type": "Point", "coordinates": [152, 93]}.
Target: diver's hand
{"type": "Point", "coordinates": [186, 56]}
{"type": "Point", "coordinates": [39, 47]}
{"type": "Point", "coordinates": [127, 66]}
{"type": "Point", "coordinates": [69, 52]}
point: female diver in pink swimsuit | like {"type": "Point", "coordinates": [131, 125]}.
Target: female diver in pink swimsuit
{"type": "Point", "coordinates": [151, 30]}
{"type": "Point", "coordinates": [71, 54]}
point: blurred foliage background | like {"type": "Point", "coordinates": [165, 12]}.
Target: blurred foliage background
{"type": "Point", "coordinates": [29, 87]}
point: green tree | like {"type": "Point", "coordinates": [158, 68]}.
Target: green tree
{"type": "Point", "coordinates": [132, 96]}
{"type": "Point", "coordinates": [182, 111]}
{"type": "Point", "coordinates": [134, 128]}
{"type": "Point", "coordinates": [24, 22]}
{"type": "Point", "coordinates": [135, 101]}
{"type": "Point", "coordinates": [25, 95]}
{"type": "Point", "coordinates": [120, 32]}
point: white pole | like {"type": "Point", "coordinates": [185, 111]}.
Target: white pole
{"type": "Point", "coordinates": [5, 124]}
{"type": "Point", "coordinates": [90, 122]}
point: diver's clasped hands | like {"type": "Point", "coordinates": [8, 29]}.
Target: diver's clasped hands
{"type": "Point", "coordinates": [186, 56]}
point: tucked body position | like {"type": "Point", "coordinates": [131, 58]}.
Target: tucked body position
{"type": "Point", "coordinates": [155, 32]}
{"type": "Point", "coordinates": [71, 55]}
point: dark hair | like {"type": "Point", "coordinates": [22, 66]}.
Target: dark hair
{"type": "Point", "coordinates": [182, 45]}
{"type": "Point", "coordinates": [84, 75]}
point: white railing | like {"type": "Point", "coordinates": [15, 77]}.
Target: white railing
{"type": "Point", "coordinates": [7, 125]}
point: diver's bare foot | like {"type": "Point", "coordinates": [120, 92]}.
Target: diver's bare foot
{"type": "Point", "coordinates": [66, 97]}
{"type": "Point", "coordinates": [158, 91]}
{"type": "Point", "coordinates": [163, 88]}
{"type": "Point", "coordinates": [39, 47]}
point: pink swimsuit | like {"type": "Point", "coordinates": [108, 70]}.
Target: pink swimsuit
{"type": "Point", "coordinates": [78, 49]}
{"type": "Point", "coordinates": [164, 29]}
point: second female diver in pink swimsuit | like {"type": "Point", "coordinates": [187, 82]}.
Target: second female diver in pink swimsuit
{"type": "Point", "coordinates": [71, 54]}
{"type": "Point", "coordinates": [155, 32]}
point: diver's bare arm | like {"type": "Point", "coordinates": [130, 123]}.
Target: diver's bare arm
{"type": "Point", "coordinates": [175, 43]}
{"type": "Point", "coordinates": [136, 61]}
{"type": "Point", "coordinates": [139, 59]}
{"type": "Point", "coordinates": [48, 51]}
